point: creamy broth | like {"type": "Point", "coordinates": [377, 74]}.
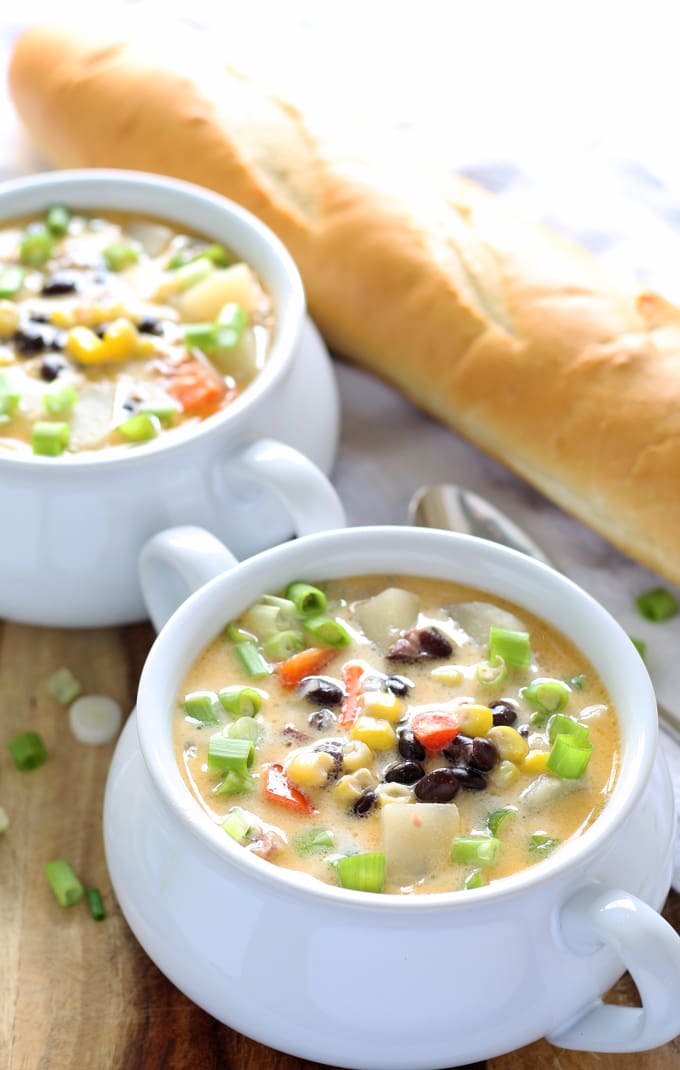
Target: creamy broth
{"type": "Point", "coordinates": [117, 328]}
{"type": "Point", "coordinates": [441, 629]}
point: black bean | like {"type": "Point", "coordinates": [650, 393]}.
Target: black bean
{"type": "Point", "coordinates": [439, 786]}
{"type": "Point", "coordinates": [405, 648]}
{"type": "Point", "coordinates": [404, 773]}
{"type": "Point", "coordinates": [410, 747]}
{"type": "Point", "coordinates": [399, 685]}
{"type": "Point", "coordinates": [61, 282]}
{"type": "Point", "coordinates": [321, 690]}
{"type": "Point", "coordinates": [321, 719]}
{"type": "Point", "coordinates": [524, 730]}
{"type": "Point", "coordinates": [458, 750]}
{"type": "Point", "coordinates": [50, 367]}
{"type": "Point", "coordinates": [38, 317]}
{"type": "Point", "coordinates": [334, 748]}
{"type": "Point", "coordinates": [149, 325]}
{"type": "Point", "coordinates": [503, 712]}
{"type": "Point", "coordinates": [484, 754]}
{"type": "Point", "coordinates": [29, 341]}
{"type": "Point", "coordinates": [364, 804]}
{"type": "Point", "coordinates": [434, 643]}
{"type": "Point", "coordinates": [471, 779]}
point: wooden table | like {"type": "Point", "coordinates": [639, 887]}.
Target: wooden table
{"type": "Point", "coordinates": [81, 995]}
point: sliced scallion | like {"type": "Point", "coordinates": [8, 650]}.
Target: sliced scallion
{"type": "Point", "coordinates": [57, 220]}
{"type": "Point", "coordinates": [28, 751]}
{"type": "Point", "coordinates": [283, 645]}
{"type": "Point", "coordinates": [218, 254]}
{"type": "Point", "coordinates": [238, 824]}
{"type": "Point", "coordinates": [4, 820]}
{"type": "Point", "coordinates": [60, 402]}
{"type": "Point", "coordinates": [657, 604]}
{"type": "Point", "coordinates": [497, 818]}
{"type": "Point", "coordinates": [568, 757]}
{"type": "Point", "coordinates": [251, 659]}
{"type": "Point", "coordinates": [541, 844]}
{"type": "Point", "coordinates": [243, 728]}
{"type": "Point", "coordinates": [512, 646]}
{"type": "Point", "coordinates": [50, 439]}
{"type": "Point", "coordinates": [477, 850]}
{"type": "Point", "coordinates": [234, 784]}
{"type": "Point", "coordinates": [95, 903]}
{"type": "Point", "coordinates": [141, 427]}
{"type": "Point", "coordinates": [63, 882]}
{"type": "Point", "coordinates": [200, 335]}
{"type": "Point", "coordinates": [237, 635]}
{"type": "Point", "coordinates": [567, 726]}
{"type": "Point", "coordinates": [63, 686]}
{"type": "Point", "coordinates": [326, 631]}
{"type": "Point", "coordinates": [35, 247]}
{"type": "Point", "coordinates": [578, 682]}
{"type": "Point", "coordinates": [11, 281]}
{"type": "Point", "coordinates": [362, 872]}
{"type": "Point", "coordinates": [241, 701]}
{"type": "Point", "coordinates": [230, 755]}
{"type": "Point", "coordinates": [492, 673]}
{"type": "Point", "coordinates": [120, 255]}
{"type": "Point", "coordinates": [201, 706]}
{"type": "Point", "coordinates": [166, 412]}
{"type": "Point", "coordinates": [9, 396]}
{"type": "Point", "coordinates": [476, 879]}
{"type": "Point", "coordinates": [262, 620]}
{"type": "Point", "coordinates": [315, 841]}
{"type": "Point", "coordinates": [231, 323]}
{"type": "Point", "coordinates": [308, 600]}
{"type": "Point", "coordinates": [194, 272]}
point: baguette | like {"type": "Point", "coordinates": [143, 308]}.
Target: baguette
{"type": "Point", "coordinates": [511, 335]}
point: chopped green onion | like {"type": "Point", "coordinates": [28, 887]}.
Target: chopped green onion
{"type": "Point", "coordinates": [492, 673]}
{"type": "Point", "coordinates": [180, 258]}
{"type": "Point", "coordinates": [9, 397]}
{"type": "Point", "coordinates": [201, 335]}
{"type": "Point", "coordinates": [513, 647]}
{"type": "Point", "coordinates": [35, 247]}
{"type": "Point", "coordinates": [231, 323]}
{"type": "Point", "coordinates": [363, 872]}
{"type": "Point", "coordinates": [640, 646]}
{"type": "Point", "coordinates": [120, 255]}
{"type": "Point", "coordinates": [218, 254]}
{"type": "Point", "coordinates": [163, 411]}
{"type": "Point", "coordinates": [238, 824]}
{"type": "Point", "coordinates": [547, 695]}
{"type": "Point", "coordinates": [657, 604]}
{"type": "Point", "coordinates": [64, 883]}
{"type": "Point", "coordinates": [476, 879]}
{"type": "Point", "coordinates": [243, 728]}
{"type": "Point", "coordinates": [194, 272]}
{"type": "Point", "coordinates": [241, 701]}
{"type": "Point", "coordinates": [95, 903]}
{"type": "Point", "coordinates": [201, 706]}
{"type": "Point", "coordinates": [63, 687]}
{"type": "Point", "coordinates": [283, 645]}
{"type": "Point", "coordinates": [28, 751]}
{"type": "Point", "coordinates": [262, 620]}
{"type": "Point", "coordinates": [567, 726]}
{"type": "Point", "coordinates": [237, 635]}
{"type": "Point", "coordinates": [234, 784]}
{"type": "Point", "coordinates": [57, 220]}
{"type": "Point", "coordinates": [11, 281]}
{"type": "Point", "coordinates": [4, 820]}
{"type": "Point", "coordinates": [568, 757]}
{"type": "Point", "coordinates": [541, 844]}
{"type": "Point", "coordinates": [316, 841]}
{"type": "Point", "coordinates": [141, 427]}
{"type": "Point", "coordinates": [481, 850]}
{"type": "Point", "coordinates": [327, 631]}
{"type": "Point", "coordinates": [497, 818]}
{"type": "Point", "coordinates": [308, 600]}
{"type": "Point", "coordinates": [50, 439]}
{"type": "Point", "coordinates": [60, 402]}
{"type": "Point", "coordinates": [251, 659]}
{"type": "Point", "coordinates": [576, 683]}
{"type": "Point", "coordinates": [230, 755]}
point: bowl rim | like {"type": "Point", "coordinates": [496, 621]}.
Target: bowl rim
{"type": "Point", "coordinates": [44, 187]}
{"type": "Point", "coordinates": [196, 617]}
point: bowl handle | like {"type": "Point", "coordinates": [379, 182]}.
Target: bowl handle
{"type": "Point", "coordinates": [648, 947]}
{"type": "Point", "coordinates": [304, 490]}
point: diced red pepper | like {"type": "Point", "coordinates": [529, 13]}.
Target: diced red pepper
{"type": "Point", "coordinates": [195, 385]}
{"type": "Point", "coordinates": [278, 789]}
{"type": "Point", "coordinates": [352, 675]}
{"type": "Point", "coordinates": [433, 729]}
{"type": "Point", "coordinates": [306, 663]}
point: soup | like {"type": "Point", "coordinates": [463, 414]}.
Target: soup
{"type": "Point", "coordinates": [115, 329]}
{"type": "Point", "coordinates": [396, 734]}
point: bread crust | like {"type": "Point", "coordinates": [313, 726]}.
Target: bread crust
{"type": "Point", "coordinates": [511, 335]}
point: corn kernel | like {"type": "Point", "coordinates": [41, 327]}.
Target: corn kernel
{"type": "Point", "coordinates": [146, 347]}
{"type": "Point", "coordinates": [505, 774]}
{"type": "Point", "coordinates": [120, 341]}
{"type": "Point", "coordinates": [9, 318]}
{"type": "Point", "coordinates": [448, 674]}
{"type": "Point", "coordinates": [309, 769]}
{"type": "Point", "coordinates": [351, 787]}
{"type": "Point", "coordinates": [383, 704]}
{"type": "Point", "coordinates": [535, 762]}
{"type": "Point", "coordinates": [83, 345]}
{"type": "Point", "coordinates": [510, 743]}
{"type": "Point", "coordinates": [393, 793]}
{"type": "Point", "coordinates": [474, 720]}
{"type": "Point", "coordinates": [375, 732]}
{"type": "Point", "coordinates": [356, 755]}
{"type": "Point", "coordinates": [62, 317]}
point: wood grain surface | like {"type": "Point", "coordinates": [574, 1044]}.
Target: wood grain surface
{"type": "Point", "coordinates": [81, 995]}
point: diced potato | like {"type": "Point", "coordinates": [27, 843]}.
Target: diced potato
{"type": "Point", "coordinates": [203, 302]}
{"type": "Point", "coordinates": [545, 789]}
{"type": "Point", "coordinates": [388, 613]}
{"type": "Point", "coordinates": [153, 237]}
{"type": "Point", "coordinates": [417, 839]}
{"type": "Point", "coordinates": [241, 361]}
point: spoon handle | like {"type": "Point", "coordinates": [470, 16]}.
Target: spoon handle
{"type": "Point", "coordinates": [454, 508]}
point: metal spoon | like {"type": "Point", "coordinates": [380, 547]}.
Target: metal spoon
{"type": "Point", "coordinates": [453, 508]}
